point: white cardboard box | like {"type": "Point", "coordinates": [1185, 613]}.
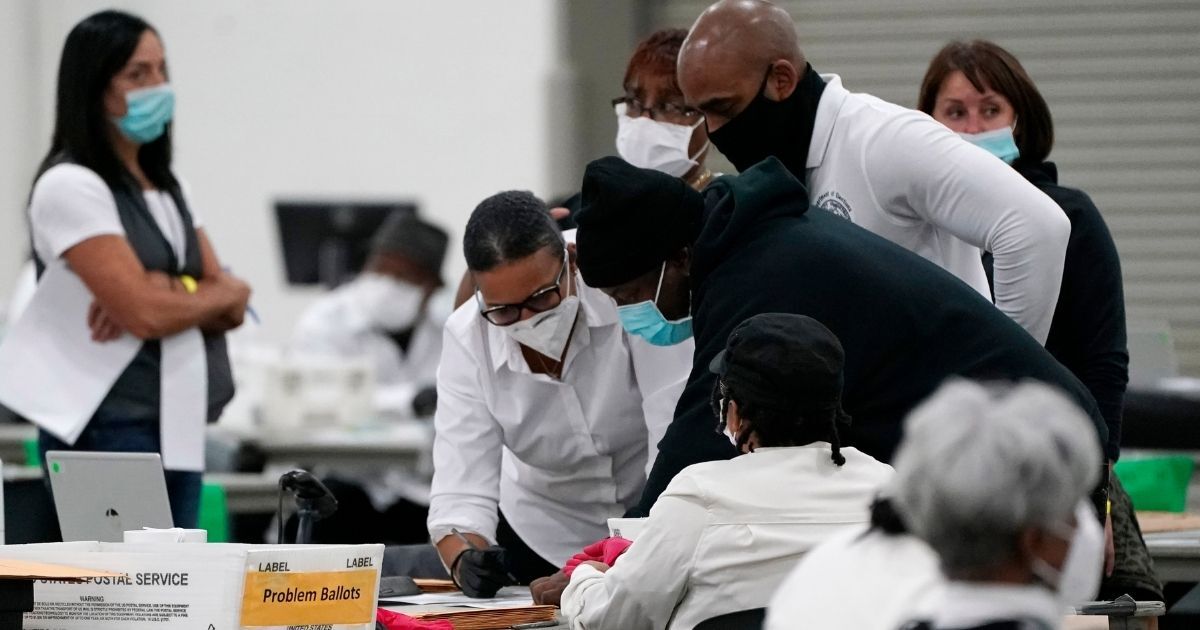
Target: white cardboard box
{"type": "Point", "coordinates": [208, 587]}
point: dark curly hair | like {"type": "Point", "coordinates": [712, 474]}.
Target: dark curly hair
{"type": "Point", "coordinates": [508, 226]}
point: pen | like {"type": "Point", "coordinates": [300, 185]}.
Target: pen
{"type": "Point", "coordinates": [467, 542]}
{"type": "Point", "coordinates": [249, 309]}
{"type": "Point", "coordinates": [536, 624]}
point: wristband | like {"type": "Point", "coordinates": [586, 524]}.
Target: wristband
{"type": "Point", "coordinates": [189, 283]}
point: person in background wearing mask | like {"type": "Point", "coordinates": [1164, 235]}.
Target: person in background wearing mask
{"type": "Point", "coordinates": [384, 314]}
{"type": "Point", "coordinates": [107, 210]}
{"type": "Point", "coordinates": [545, 423]}
{"type": "Point", "coordinates": [655, 129]}
{"type": "Point", "coordinates": [996, 482]}
{"type": "Point", "coordinates": [725, 533]}
{"type": "Point", "coordinates": [752, 245]}
{"type": "Point", "coordinates": [982, 92]}
{"type": "Point", "coordinates": [886, 168]}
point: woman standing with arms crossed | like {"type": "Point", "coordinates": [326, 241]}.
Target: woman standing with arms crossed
{"type": "Point", "coordinates": [107, 207]}
{"type": "Point", "coordinates": [982, 92]}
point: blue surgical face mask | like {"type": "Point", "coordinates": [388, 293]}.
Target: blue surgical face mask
{"type": "Point", "coordinates": [147, 114]}
{"type": "Point", "coordinates": [999, 142]}
{"type": "Point", "coordinates": [646, 321]}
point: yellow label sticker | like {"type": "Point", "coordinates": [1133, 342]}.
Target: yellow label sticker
{"type": "Point", "coordinates": [289, 599]}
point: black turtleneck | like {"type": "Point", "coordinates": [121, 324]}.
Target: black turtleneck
{"type": "Point", "coordinates": [1087, 334]}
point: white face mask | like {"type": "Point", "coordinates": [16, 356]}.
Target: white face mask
{"type": "Point", "coordinates": [389, 304]}
{"type": "Point", "coordinates": [548, 332]}
{"type": "Point", "coordinates": [1079, 579]}
{"type": "Point", "coordinates": [733, 438]}
{"type": "Point", "coordinates": [656, 145]}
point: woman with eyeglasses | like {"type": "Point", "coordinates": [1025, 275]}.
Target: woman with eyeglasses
{"type": "Point", "coordinates": [655, 129]}
{"type": "Point", "coordinates": [112, 226]}
{"type": "Point", "coordinates": [546, 420]}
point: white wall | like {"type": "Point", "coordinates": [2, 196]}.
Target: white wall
{"type": "Point", "coordinates": [17, 159]}
{"type": "Point", "coordinates": [441, 102]}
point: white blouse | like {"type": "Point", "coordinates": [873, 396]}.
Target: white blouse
{"type": "Point", "coordinates": [559, 457]}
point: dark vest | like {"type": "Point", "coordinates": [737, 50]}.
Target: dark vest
{"type": "Point", "coordinates": [136, 393]}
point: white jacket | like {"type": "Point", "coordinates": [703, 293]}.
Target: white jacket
{"type": "Point", "coordinates": [859, 580]}
{"type": "Point", "coordinates": [906, 177]}
{"type": "Point", "coordinates": [723, 536]}
{"type": "Point", "coordinates": [337, 325]}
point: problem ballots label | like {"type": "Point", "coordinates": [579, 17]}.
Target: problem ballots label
{"type": "Point", "coordinates": [307, 598]}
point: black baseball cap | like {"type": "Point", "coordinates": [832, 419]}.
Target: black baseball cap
{"type": "Point", "coordinates": [784, 361]}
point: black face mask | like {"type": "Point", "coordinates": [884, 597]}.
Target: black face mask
{"type": "Point", "coordinates": [773, 128]}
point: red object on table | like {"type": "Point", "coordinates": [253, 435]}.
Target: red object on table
{"type": "Point", "coordinates": [606, 550]}
{"type": "Point", "coordinates": [397, 621]}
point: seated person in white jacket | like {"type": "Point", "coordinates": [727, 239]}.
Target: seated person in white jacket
{"type": "Point", "coordinates": [384, 315]}
{"type": "Point", "coordinates": [725, 533]}
{"type": "Point", "coordinates": [548, 411]}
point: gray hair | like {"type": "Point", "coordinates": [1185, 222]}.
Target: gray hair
{"type": "Point", "coordinates": [980, 463]}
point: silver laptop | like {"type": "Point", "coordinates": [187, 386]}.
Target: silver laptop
{"type": "Point", "coordinates": [100, 495]}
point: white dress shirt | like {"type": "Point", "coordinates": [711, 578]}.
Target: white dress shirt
{"type": "Point", "coordinates": [859, 580]}
{"type": "Point", "coordinates": [338, 325]}
{"type": "Point", "coordinates": [558, 457]}
{"type": "Point", "coordinates": [906, 177]}
{"type": "Point", "coordinates": [723, 535]}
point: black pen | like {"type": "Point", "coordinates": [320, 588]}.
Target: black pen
{"type": "Point", "coordinates": [467, 541]}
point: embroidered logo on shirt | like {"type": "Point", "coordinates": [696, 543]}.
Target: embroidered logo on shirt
{"type": "Point", "coordinates": [833, 202]}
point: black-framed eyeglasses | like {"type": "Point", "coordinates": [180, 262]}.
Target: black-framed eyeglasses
{"type": "Point", "coordinates": [539, 301]}
{"type": "Point", "coordinates": [668, 112]}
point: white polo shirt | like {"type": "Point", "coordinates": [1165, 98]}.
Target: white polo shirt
{"type": "Point", "coordinates": [559, 457]}
{"type": "Point", "coordinates": [906, 177]}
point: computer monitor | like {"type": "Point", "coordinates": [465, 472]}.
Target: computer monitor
{"type": "Point", "coordinates": [327, 242]}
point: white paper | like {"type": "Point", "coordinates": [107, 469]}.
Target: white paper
{"type": "Point", "coordinates": [506, 597]}
{"type": "Point", "coordinates": [51, 371]}
{"type": "Point", "coordinates": [151, 535]}
{"type": "Point", "coordinates": [184, 400]}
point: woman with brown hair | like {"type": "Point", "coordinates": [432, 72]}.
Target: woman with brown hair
{"type": "Point", "coordinates": [981, 91]}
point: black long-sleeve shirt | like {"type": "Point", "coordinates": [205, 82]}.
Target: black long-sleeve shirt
{"type": "Point", "coordinates": [905, 324]}
{"type": "Point", "coordinates": [1087, 334]}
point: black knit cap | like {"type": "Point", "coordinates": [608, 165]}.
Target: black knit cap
{"type": "Point", "coordinates": [784, 361]}
{"type": "Point", "coordinates": [630, 220]}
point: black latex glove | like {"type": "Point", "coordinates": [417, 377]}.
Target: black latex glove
{"type": "Point", "coordinates": [425, 402]}
{"type": "Point", "coordinates": [480, 572]}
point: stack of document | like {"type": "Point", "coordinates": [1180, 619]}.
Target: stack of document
{"type": "Point", "coordinates": [429, 585]}
{"type": "Point", "coordinates": [492, 618]}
